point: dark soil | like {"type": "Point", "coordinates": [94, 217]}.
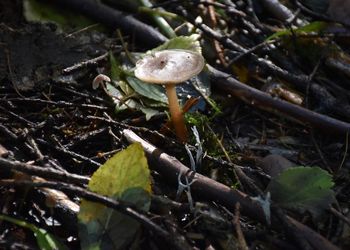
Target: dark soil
{"type": "Point", "coordinates": [50, 117]}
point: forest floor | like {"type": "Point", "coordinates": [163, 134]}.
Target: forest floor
{"type": "Point", "coordinates": [267, 121]}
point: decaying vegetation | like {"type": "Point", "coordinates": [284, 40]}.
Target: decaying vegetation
{"type": "Point", "coordinates": [266, 162]}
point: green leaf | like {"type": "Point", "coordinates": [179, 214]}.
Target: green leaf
{"type": "Point", "coordinates": [117, 96]}
{"type": "Point", "coordinates": [181, 42]}
{"type": "Point", "coordinates": [44, 240]}
{"type": "Point", "coordinates": [311, 27]}
{"type": "Point", "coordinates": [303, 189]}
{"type": "Point", "coordinates": [126, 177]}
{"type": "Point", "coordinates": [151, 91]}
{"type": "Point", "coordinates": [126, 169]}
{"type": "Point", "coordinates": [149, 112]}
{"type": "Point", "coordinates": [123, 102]}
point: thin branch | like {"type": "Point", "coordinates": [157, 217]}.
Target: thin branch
{"type": "Point", "coordinates": [264, 101]}
{"type": "Point", "coordinates": [116, 19]}
{"type": "Point", "coordinates": [48, 173]}
{"type": "Point", "coordinates": [120, 206]}
{"type": "Point", "coordinates": [208, 189]}
{"type": "Point", "coordinates": [56, 103]}
{"type": "Point", "coordinates": [236, 223]}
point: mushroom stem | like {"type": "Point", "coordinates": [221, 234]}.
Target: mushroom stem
{"type": "Point", "coordinates": [176, 113]}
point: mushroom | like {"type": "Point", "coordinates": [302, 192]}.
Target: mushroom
{"type": "Point", "coordinates": [99, 80]}
{"type": "Point", "coordinates": [171, 67]}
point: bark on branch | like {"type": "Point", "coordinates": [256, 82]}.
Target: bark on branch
{"type": "Point", "coordinates": [144, 34]}
{"type": "Point", "coordinates": [169, 167]}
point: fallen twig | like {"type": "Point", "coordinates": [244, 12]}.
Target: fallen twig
{"type": "Point", "coordinates": [56, 103]}
{"type": "Point", "coordinates": [49, 173]}
{"type": "Point", "coordinates": [204, 187]}
{"type": "Point", "coordinates": [138, 215]}
{"type": "Point", "coordinates": [208, 189]}
{"type": "Point", "coordinates": [300, 80]}
{"type": "Point", "coordinates": [240, 236]}
{"type": "Point", "coordinates": [116, 19]}
{"type": "Point", "coordinates": [264, 101]}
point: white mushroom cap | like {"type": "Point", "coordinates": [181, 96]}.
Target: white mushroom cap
{"type": "Point", "coordinates": [99, 79]}
{"type": "Point", "coordinates": [169, 66]}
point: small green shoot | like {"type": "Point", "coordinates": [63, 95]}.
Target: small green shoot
{"type": "Point", "coordinates": [45, 240]}
{"type": "Point", "coordinates": [158, 19]}
{"type": "Point", "coordinates": [181, 42]}
{"type": "Point", "coordinates": [311, 27]}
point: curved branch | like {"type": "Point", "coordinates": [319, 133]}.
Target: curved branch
{"type": "Point", "coordinates": [264, 101]}
{"type": "Point", "coordinates": [104, 14]}
{"type": "Point", "coordinates": [208, 189]}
